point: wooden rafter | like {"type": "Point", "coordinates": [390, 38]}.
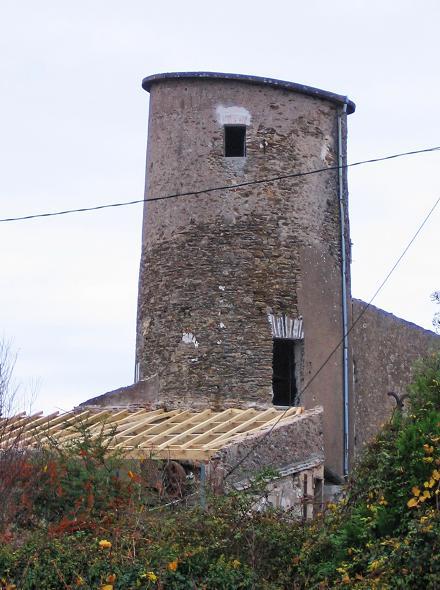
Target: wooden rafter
{"type": "Point", "coordinates": [174, 434]}
{"type": "Point", "coordinates": [223, 426]}
{"type": "Point", "coordinates": [217, 418]}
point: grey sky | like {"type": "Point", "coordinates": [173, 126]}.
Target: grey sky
{"type": "Point", "coordinates": [73, 133]}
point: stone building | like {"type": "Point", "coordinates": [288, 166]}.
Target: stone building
{"type": "Point", "coordinates": [244, 292]}
{"type": "Point", "coordinates": [240, 290]}
{"type": "Point", "coordinates": [251, 352]}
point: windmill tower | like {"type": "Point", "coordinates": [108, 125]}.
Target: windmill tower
{"type": "Point", "coordinates": [244, 292]}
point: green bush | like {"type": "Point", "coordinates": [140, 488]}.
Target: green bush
{"type": "Point", "coordinates": [386, 531]}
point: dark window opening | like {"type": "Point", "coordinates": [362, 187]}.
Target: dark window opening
{"type": "Point", "coordinates": [284, 379]}
{"type": "Point", "coordinates": [305, 497]}
{"type": "Point", "coordinates": [235, 141]}
{"type": "Point", "coordinates": [318, 495]}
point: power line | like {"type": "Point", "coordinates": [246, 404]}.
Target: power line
{"type": "Point", "coordinates": [218, 188]}
{"type": "Point", "coordinates": [382, 284]}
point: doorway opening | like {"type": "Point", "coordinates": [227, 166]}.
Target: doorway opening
{"type": "Point", "coordinates": [286, 369]}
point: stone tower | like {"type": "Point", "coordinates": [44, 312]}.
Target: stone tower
{"type": "Point", "coordinates": [241, 290]}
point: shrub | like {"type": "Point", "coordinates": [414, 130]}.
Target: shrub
{"type": "Point", "coordinates": [386, 531]}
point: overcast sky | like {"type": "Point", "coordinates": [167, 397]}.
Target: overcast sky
{"type": "Point", "coordinates": [73, 134]}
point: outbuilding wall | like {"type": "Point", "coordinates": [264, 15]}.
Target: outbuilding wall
{"type": "Point", "coordinates": [299, 441]}
{"type": "Point", "coordinates": [385, 350]}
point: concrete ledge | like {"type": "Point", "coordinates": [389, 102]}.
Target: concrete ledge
{"type": "Point", "coordinates": [144, 393]}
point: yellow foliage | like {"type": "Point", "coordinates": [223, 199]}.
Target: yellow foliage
{"type": "Point", "coordinates": [374, 565]}
{"type": "Point", "coordinates": [104, 544]}
{"type": "Point", "coordinates": [151, 576]}
{"type": "Point", "coordinates": [235, 563]}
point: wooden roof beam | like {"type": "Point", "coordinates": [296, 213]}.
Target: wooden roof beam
{"type": "Point", "coordinates": [179, 428]}
{"type": "Point", "coordinates": [294, 411]}
{"type": "Point", "coordinates": [174, 440]}
{"type": "Point", "coordinates": [164, 424]}
{"type": "Point", "coordinates": [239, 428]}
{"type": "Point", "coordinates": [220, 427]}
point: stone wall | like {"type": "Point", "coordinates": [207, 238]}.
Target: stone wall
{"type": "Point", "coordinates": [214, 265]}
{"type": "Point", "coordinates": [301, 493]}
{"type": "Point", "coordinates": [300, 440]}
{"type": "Point", "coordinates": [385, 349]}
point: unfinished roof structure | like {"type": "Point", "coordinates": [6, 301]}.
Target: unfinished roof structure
{"type": "Point", "coordinates": [175, 434]}
{"type": "Point", "coordinates": [219, 442]}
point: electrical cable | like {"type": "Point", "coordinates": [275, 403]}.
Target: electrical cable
{"type": "Point", "coordinates": [218, 188]}
{"type": "Point", "coordinates": [382, 284]}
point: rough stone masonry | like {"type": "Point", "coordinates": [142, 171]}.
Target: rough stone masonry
{"type": "Point", "coordinates": [215, 265]}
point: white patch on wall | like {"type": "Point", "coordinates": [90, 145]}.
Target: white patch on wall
{"type": "Point", "coordinates": [232, 115]}
{"type": "Point", "coordinates": [189, 338]}
{"type": "Point", "coordinates": [282, 326]}
{"type": "Point", "coordinates": [325, 149]}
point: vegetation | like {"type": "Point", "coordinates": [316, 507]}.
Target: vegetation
{"type": "Point", "coordinates": [85, 519]}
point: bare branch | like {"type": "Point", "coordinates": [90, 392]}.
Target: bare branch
{"type": "Point", "coordinates": [436, 319]}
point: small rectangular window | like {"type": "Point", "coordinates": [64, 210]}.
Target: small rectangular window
{"type": "Point", "coordinates": [235, 141]}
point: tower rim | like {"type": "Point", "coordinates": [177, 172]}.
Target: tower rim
{"type": "Point", "coordinates": [257, 80]}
